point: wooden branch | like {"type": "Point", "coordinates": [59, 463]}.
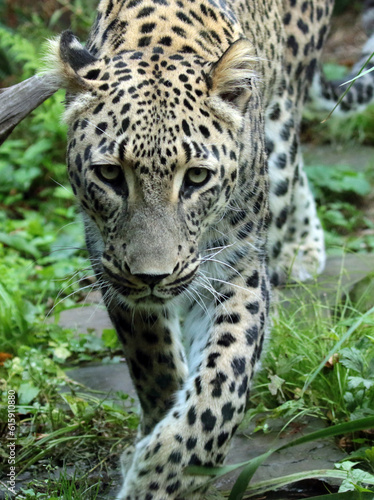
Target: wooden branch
{"type": "Point", "coordinates": [18, 101]}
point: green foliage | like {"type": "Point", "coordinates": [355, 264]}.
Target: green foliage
{"type": "Point", "coordinates": [40, 240]}
{"type": "Point", "coordinates": [56, 419]}
{"type": "Point", "coordinates": [28, 288]}
{"type": "Point", "coordinates": [80, 13]}
{"type": "Point", "coordinates": [302, 336]}
{"type": "Point", "coordinates": [40, 19]}
{"type": "Point", "coordinates": [359, 364]}
{"type": "Point", "coordinates": [25, 163]}
{"type": "Point", "coordinates": [68, 487]}
{"type": "Point", "coordinates": [340, 191]}
{"type": "Point", "coordinates": [337, 179]}
{"type": "Point", "coordinates": [17, 50]}
{"type": "Point", "coordinates": [16, 317]}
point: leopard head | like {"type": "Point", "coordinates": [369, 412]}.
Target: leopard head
{"type": "Point", "coordinates": [153, 156]}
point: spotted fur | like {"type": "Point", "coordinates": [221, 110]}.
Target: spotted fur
{"type": "Point", "coordinates": [178, 110]}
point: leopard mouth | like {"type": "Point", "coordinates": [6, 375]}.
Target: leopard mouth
{"type": "Point", "coordinates": [147, 295]}
{"type": "Point", "coordinates": [144, 298]}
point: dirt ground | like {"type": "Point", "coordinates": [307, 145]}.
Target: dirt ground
{"type": "Point", "coordinates": [345, 40]}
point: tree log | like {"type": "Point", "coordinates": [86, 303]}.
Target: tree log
{"type": "Point", "coordinates": [18, 101]}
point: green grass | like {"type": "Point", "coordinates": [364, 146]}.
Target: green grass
{"type": "Point", "coordinates": [306, 329]}
{"type": "Point", "coordinates": [67, 487]}
{"type": "Point", "coordinates": [342, 192]}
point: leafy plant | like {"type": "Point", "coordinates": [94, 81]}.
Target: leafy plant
{"type": "Point", "coordinates": [340, 191]}
{"type": "Point", "coordinates": [359, 396]}
{"type": "Point", "coordinates": [18, 50]}
{"type": "Point", "coordinates": [340, 179]}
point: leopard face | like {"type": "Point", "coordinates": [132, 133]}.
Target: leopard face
{"type": "Point", "coordinates": [153, 162]}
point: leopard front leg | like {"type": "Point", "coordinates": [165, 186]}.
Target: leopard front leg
{"type": "Point", "coordinates": [156, 359]}
{"type": "Point", "coordinates": [207, 410]}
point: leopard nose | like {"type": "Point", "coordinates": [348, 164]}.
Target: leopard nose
{"type": "Point", "coordinates": [151, 279]}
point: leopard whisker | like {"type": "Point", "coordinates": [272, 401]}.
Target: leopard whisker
{"type": "Point", "coordinates": [93, 286]}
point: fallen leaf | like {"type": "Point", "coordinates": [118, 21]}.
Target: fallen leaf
{"type": "Point", "coordinates": [4, 356]}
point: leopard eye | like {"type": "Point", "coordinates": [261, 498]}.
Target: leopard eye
{"type": "Point", "coordinates": [197, 176]}
{"type": "Point", "coordinates": [109, 173]}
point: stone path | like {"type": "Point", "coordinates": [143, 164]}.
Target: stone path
{"type": "Point", "coordinates": [357, 155]}
{"type": "Point", "coordinates": [318, 455]}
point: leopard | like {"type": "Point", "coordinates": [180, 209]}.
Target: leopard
{"type": "Point", "coordinates": [184, 156]}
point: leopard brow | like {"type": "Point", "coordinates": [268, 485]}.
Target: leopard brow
{"type": "Point", "coordinates": [120, 144]}
{"type": "Point", "coordinates": [196, 154]}
{"type": "Point", "coordinates": [103, 132]}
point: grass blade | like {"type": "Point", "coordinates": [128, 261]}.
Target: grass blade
{"type": "Point", "coordinates": [246, 475]}
{"type": "Point", "coordinates": [336, 430]}
{"type": "Point", "coordinates": [348, 89]}
{"type": "Point", "coordinates": [262, 487]}
{"type": "Point", "coordinates": [45, 439]}
{"type": "Point", "coordinates": [335, 348]}
{"type": "Point", "coordinates": [358, 76]}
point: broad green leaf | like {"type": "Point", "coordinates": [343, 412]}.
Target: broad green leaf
{"type": "Point", "coordinates": [110, 338]}
{"type": "Point", "coordinates": [61, 352]}
{"type": "Point", "coordinates": [19, 243]}
{"type": "Point", "coordinates": [352, 358]}
{"type": "Point", "coordinates": [26, 393]}
{"type": "Point", "coordinates": [354, 382]}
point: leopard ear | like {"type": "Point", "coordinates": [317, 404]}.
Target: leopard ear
{"type": "Point", "coordinates": [231, 77]}
{"type": "Point", "coordinates": [74, 67]}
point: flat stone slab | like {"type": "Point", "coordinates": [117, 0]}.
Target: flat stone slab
{"type": "Point", "coordinates": [341, 274]}
{"type": "Point", "coordinates": [357, 155]}
{"type": "Point", "coordinates": [90, 318]}
{"type": "Point", "coordinates": [108, 379]}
